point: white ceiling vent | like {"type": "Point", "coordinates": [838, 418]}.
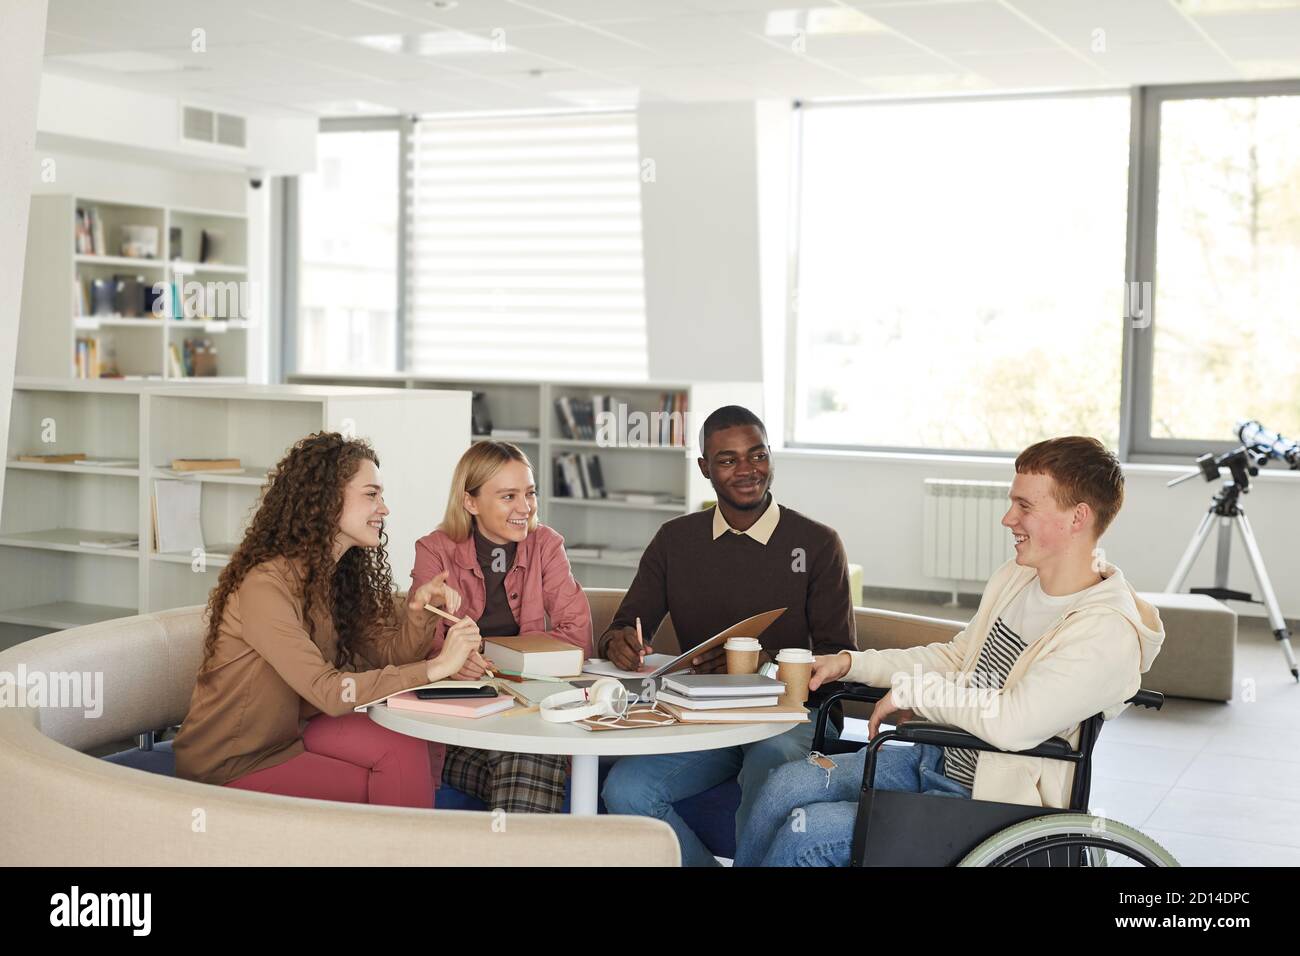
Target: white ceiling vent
{"type": "Point", "coordinates": [212, 128]}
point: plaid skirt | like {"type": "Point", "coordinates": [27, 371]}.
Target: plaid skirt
{"type": "Point", "coordinates": [516, 783]}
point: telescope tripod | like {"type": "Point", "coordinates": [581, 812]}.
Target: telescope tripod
{"type": "Point", "coordinates": [1226, 508]}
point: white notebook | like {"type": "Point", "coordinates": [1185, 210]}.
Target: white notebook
{"type": "Point", "coordinates": [723, 685]}
{"type": "Point", "coordinates": [714, 703]}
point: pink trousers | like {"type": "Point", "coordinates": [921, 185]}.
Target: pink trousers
{"type": "Point", "coordinates": [354, 760]}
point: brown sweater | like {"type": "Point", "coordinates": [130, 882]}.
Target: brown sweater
{"type": "Point", "coordinates": [267, 676]}
{"type": "Point", "coordinates": [708, 584]}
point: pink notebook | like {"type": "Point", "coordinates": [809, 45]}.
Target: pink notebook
{"type": "Point", "coordinates": [467, 707]}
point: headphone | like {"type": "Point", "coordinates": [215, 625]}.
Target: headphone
{"type": "Point", "coordinates": [607, 697]}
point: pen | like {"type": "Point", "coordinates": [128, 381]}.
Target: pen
{"type": "Point", "coordinates": [640, 640]}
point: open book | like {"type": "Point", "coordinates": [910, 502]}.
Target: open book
{"type": "Point", "coordinates": [657, 665]}
{"type": "Point", "coordinates": [461, 684]}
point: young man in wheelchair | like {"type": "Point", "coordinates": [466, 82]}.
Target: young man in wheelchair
{"type": "Point", "coordinates": [1059, 636]}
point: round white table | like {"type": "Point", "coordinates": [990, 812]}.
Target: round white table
{"type": "Point", "coordinates": [529, 734]}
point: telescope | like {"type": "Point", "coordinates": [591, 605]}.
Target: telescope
{"type": "Point", "coordinates": [1258, 447]}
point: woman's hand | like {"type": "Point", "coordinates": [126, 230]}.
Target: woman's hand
{"type": "Point", "coordinates": [475, 667]}
{"type": "Point", "coordinates": [828, 668]}
{"type": "Point", "coordinates": [436, 592]}
{"type": "Point", "coordinates": [463, 639]}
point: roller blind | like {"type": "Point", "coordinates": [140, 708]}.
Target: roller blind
{"type": "Point", "coordinates": [524, 248]}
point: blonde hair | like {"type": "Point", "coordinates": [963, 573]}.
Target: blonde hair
{"type": "Point", "coordinates": [477, 467]}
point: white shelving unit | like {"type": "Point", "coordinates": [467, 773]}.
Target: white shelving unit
{"type": "Point", "coordinates": [52, 577]}
{"type": "Point", "coordinates": [625, 527]}
{"type": "Point", "coordinates": [138, 346]}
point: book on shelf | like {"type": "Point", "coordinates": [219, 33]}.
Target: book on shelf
{"type": "Point", "coordinates": [578, 476]}
{"type": "Point", "coordinates": [506, 434]}
{"type": "Point", "coordinates": [111, 541]}
{"type": "Point", "coordinates": [624, 555]}
{"type": "Point", "coordinates": [90, 232]}
{"type": "Point", "coordinates": [644, 497]}
{"type": "Point", "coordinates": [54, 458]}
{"type": "Point", "coordinates": [584, 550]}
{"type": "Point", "coordinates": [206, 464]}
{"type": "Point", "coordinates": [177, 521]}
{"type": "Point", "coordinates": [107, 462]}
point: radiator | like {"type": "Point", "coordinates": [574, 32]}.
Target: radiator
{"type": "Point", "coordinates": [963, 539]}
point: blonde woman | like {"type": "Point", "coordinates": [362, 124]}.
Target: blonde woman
{"type": "Point", "coordinates": [513, 577]}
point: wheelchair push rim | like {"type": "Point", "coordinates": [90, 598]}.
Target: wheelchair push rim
{"type": "Point", "coordinates": [1101, 837]}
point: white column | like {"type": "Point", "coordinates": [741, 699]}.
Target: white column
{"type": "Point", "coordinates": [22, 49]}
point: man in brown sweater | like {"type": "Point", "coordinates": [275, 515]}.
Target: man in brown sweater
{"type": "Point", "coordinates": [709, 570]}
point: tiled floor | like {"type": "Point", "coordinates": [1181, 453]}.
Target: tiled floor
{"type": "Point", "coordinates": [1216, 784]}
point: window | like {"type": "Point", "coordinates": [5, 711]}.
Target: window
{"type": "Point", "coordinates": [348, 232]}
{"type": "Point", "coordinates": [524, 248]}
{"type": "Point", "coordinates": [1225, 334]}
{"type": "Point", "coordinates": [960, 279]}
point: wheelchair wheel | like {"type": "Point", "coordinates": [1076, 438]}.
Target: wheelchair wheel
{"type": "Point", "coordinates": [1069, 839]}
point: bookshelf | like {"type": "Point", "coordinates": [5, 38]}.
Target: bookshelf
{"type": "Point", "coordinates": [622, 527]}
{"type": "Point", "coordinates": [54, 574]}
{"type": "Point", "coordinates": [60, 309]}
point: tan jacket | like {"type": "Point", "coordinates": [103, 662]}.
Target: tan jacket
{"type": "Point", "coordinates": [267, 676]}
{"type": "Point", "coordinates": [1089, 661]}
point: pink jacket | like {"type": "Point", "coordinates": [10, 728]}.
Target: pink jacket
{"type": "Point", "coordinates": [540, 585]}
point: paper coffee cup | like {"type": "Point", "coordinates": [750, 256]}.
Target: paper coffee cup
{"type": "Point", "coordinates": [742, 655]}
{"type": "Point", "coordinates": [794, 669]}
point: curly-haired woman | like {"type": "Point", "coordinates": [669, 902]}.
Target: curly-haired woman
{"type": "Point", "coordinates": [515, 577]}
{"type": "Point", "coordinates": [303, 627]}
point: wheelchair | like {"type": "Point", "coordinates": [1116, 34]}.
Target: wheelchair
{"type": "Point", "coordinates": [895, 828]}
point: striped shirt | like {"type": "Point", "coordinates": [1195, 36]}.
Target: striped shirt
{"type": "Point", "coordinates": [998, 655]}
{"type": "Point", "coordinates": [1022, 622]}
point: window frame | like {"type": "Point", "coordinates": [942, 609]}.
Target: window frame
{"type": "Point", "coordinates": [1135, 421]}
{"type": "Point", "coordinates": [1136, 443]}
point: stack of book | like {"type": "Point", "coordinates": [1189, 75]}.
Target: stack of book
{"type": "Point", "coordinates": [578, 476]}
{"type": "Point", "coordinates": [726, 698]}
{"type": "Point", "coordinates": [577, 418]}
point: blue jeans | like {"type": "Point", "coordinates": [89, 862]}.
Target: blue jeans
{"type": "Point", "coordinates": [804, 815]}
{"type": "Point", "coordinates": [649, 786]}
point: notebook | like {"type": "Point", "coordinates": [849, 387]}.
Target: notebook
{"type": "Point", "coordinates": [714, 703]}
{"type": "Point", "coordinates": [464, 707]}
{"type": "Point", "coordinates": [747, 715]}
{"type": "Point", "coordinates": [723, 685]}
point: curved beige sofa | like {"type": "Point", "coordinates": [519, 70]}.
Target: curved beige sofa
{"type": "Point", "coordinates": [64, 808]}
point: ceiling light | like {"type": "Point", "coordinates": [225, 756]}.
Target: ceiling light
{"type": "Point", "coordinates": [820, 21]}
{"type": "Point", "coordinates": [437, 43]}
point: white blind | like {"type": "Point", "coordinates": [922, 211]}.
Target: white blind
{"type": "Point", "coordinates": [524, 248]}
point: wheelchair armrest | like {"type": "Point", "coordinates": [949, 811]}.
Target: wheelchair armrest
{"type": "Point", "coordinates": [859, 692]}
{"type": "Point", "coordinates": [941, 735]}
{"type": "Point", "coordinates": [1147, 698]}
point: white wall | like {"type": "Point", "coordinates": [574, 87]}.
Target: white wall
{"type": "Point", "coordinates": [874, 502]}
{"type": "Point", "coordinates": [22, 40]}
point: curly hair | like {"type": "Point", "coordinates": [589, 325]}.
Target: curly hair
{"type": "Point", "coordinates": [297, 517]}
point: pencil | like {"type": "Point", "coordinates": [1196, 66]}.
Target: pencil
{"type": "Point", "coordinates": [454, 620]}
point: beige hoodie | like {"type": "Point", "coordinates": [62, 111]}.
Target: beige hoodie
{"type": "Point", "coordinates": [1088, 661]}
